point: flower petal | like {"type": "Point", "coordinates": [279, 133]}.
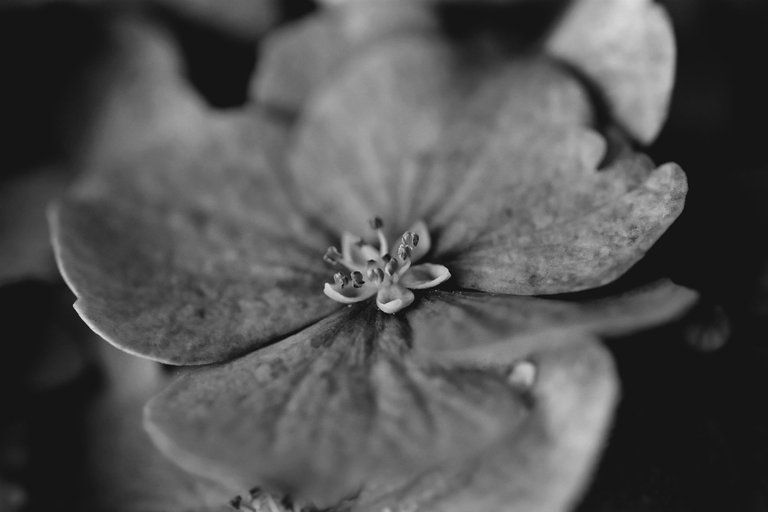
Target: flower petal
{"type": "Point", "coordinates": [392, 298]}
{"type": "Point", "coordinates": [356, 253]}
{"type": "Point", "coordinates": [628, 49]}
{"type": "Point", "coordinates": [544, 463]}
{"type": "Point", "coordinates": [350, 294]}
{"type": "Point", "coordinates": [425, 240]}
{"type": "Point", "coordinates": [329, 408]}
{"type": "Point", "coordinates": [591, 246]}
{"type": "Point", "coordinates": [469, 326]}
{"type": "Point", "coordinates": [402, 129]}
{"type": "Point", "coordinates": [426, 275]}
{"type": "Point", "coordinates": [300, 58]}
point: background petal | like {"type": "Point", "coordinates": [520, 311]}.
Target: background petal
{"type": "Point", "coordinates": [627, 48]}
{"type": "Point", "coordinates": [545, 462]}
{"type": "Point", "coordinates": [332, 407]}
{"type": "Point", "coordinates": [470, 326]}
{"type": "Point", "coordinates": [300, 58]}
{"type": "Point", "coordinates": [178, 239]}
{"type": "Point", "coordinates": [24, 237]}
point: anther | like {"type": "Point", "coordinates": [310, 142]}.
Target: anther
{"type": "Point", "coordinates": [340, 280]}
{"type": "Point", "coordinates": [404, 252]}
{"type": "Point", "coordinates": [387, 258]}
{"type": "Point", "coordinates": [236, 502]}
{"type": "Point", "coordinates": [411, 238]}
{"type": "Point", "coordinates": [357, 279]}
{"type": "Point", "coordinates": [332, 255]}
{"type": "Point", "coordinates": [254, 492]}
{"type": "Point", "coordinates": [391, 266]}
{"type": "Point", "coordinates": [376, 223]}
{"type": "Point", "coordinates": [376, 275]}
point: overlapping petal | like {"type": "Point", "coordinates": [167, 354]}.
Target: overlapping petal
{"type": "Point", "coordinates": [331, 408]}
{"type": "Point", "coordinates": [483, 327]}
{"type": "Point", "coordinates": [302, 57]}
{"type": "Point", "coordinates": [544, 462]}
{"type": "Point", "coordinates": [183, 247]}
{"type": "Point", "coordinates": [626, 48]}
{"type": "Point", "coordinates": [499, 158]}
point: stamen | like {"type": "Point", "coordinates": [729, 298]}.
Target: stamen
{"type": "Point", "coordinates": [411, 238]}
{"type": "Point", "coordinates": [332, 256]}
{"type": "Point", "coordinates": [372, 270]}
{"type": "Point", "coordinates": [376, 224]}
{"type": "Point", "coordinates": [375, 275]}
{"type": "Point", "coordinates": [340, 280]}
{"type": "Point", "coordinates": [357, 279]}
{"type": "Point", "coordinates": [391, 266]}
{"type": "Point", "coordinates": [404, 252]}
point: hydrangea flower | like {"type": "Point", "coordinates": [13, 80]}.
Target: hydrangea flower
{"type": "Point", "coordinates": [426, 377]}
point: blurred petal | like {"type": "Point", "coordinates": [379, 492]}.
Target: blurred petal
{"type": "Point", "coordinates": [469, 326]}
{"type": "Point", "coordinates": [138, 95]}
{"type": "Point", "coordinates": [403, 128]}
{"type": "Point", "coordinates": [300, 58]}
{"type": "Point", "coordinates": [329, 408]}
{"type": "Point", "coordinates": [627, 48]}
{"type": "Point", "coordinates": [543, 463]}
{"type": "Point", "coordinates": [125, 472]}
{"type": "Point", "coordinates": [24, 237]}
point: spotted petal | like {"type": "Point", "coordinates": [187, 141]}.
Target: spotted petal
{"type": "Point", "coordinates": [627, 48]}
{"type": "Point", "coordinates": [185, 249]}
{"type": "Point", "coordinates": [330, 408]}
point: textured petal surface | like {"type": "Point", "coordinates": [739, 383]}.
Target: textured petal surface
{"type": "Point", "coordinates": [300, 58]}
{"type": "Point", "coordinates": [405, 126]}
{"type": "Point", "coordinates": [543, 464]}
{"type": "Point", "coordinates": [182, 248]}
{"type": "Point", "coordinates": [24, 237]}
{"type": "Point", "coordinates": [583, 244]}
{"type": "Point", "coordinates": [498, 158]}
{"type": "Point", "coordinates": [627, 48]}
{"type": "Point", "coordinates": [464, 326]}
{"type": "Point", "coordinates": [336, 405]}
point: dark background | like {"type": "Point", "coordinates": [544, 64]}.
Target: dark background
{"type": "Point", "coordinates": [690, 434]}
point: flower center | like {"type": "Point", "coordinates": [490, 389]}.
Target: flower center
{"type": "Point", "coordinates": [366, 271]}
